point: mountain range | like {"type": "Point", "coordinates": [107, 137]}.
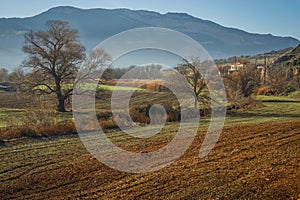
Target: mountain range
{"type": "Point", "coordinates": [95, 25]}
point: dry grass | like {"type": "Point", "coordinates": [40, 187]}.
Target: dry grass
{"type": "Point", "coordinates": [108, 124]}
{"type": "Point", "coordinates": [132, 82]}
{"type": "Point", "coordinates": [62, 128]}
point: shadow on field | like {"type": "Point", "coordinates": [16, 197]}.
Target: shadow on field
{"type": "Point", "coordinates": [280, 101]}
{"type": "Point", "coordinates": [2, 143]}
{"type": "Point", "coordinates": [262, 115]}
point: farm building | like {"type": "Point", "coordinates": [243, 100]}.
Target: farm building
{"type": "Point", "coordinates": [235, 67]}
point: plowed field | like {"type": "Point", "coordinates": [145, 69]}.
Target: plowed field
{"type": "Point", "coordinates": [251, 161]}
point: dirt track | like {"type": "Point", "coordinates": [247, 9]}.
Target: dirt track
{"type": "Point", "coordinates": [258, 161]}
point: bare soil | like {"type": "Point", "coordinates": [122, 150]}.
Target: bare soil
{"type": "Point", "coordinates": [252, 161]}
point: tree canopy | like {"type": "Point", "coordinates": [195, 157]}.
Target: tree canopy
{"type": "Point", "coordinates": [54, 56]}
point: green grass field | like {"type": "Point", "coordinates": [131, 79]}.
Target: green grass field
{"type": "Point", "coordinates": [275, 109]}
{"type": "Point", "coordinates": [91, 86]}
{"type": "Point", "coordinates": [13, 108]}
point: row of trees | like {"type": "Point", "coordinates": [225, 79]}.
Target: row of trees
{"type": "Point", "coordinates": [6, 76]}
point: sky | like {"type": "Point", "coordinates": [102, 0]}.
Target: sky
{"type": "Point", "coordinates": [278, 17]}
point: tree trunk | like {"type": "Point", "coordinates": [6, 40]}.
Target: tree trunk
{"type": "Point", "coordinates": [61, 105]}
{"type": "Point", "coordinates": [60, 97]}
{"type": "Point", "coordinates": [195, 102]}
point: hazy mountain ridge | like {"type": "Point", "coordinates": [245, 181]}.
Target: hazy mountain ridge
{"type": "Point", "coordinates": [95, 25]}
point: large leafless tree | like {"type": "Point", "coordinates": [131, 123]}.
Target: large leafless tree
{"type": "Point", "coordinates": [54, 57]}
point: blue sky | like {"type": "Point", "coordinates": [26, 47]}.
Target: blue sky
{"type": "Point", "coordinates": [278, 17]}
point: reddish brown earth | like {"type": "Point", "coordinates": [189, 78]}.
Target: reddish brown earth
{"type": "Point", "coordinates": [253, 161]}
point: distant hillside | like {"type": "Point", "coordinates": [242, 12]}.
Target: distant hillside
{"type": "Point", "coordinates": [96, 25]}
{"type": "Point", "coordinates": [290, 58]}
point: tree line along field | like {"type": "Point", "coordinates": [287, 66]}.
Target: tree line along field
{"type": "Point", "coordinates": [256, 157]}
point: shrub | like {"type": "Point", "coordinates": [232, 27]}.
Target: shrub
{"type": "Point", "coordinates": [275, 90]}
{"type": "Point", "coordinates": [61, 128]}
{"type": "Point", "coordinates": [240, 86]}
{"type": "Point", "coordinates": [288, 89]}
{"type": "Point", "coordinates": [295, 94]}
{"type": "Point", "coordinates": [246, 103]}
{"type": "Point", "coordinates": [250, 103]}
{"type": "Point", "coordinates": [140, 114]}
{"type": "Point", "coordinates": [266, 90]}
{"type": "Point", "coordinates": [17, 132]}
{"type": "Point", "coordinates": [108, 124]}
{"type": "Point", "coordinates": [173, 113]}
{"type": "Point", "coordinates": [39, 112]}
{"type": "Point", "coordinates": [104, 115]}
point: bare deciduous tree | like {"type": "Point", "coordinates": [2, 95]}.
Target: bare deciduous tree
{"type": "Point", "coordinates": [94, 65]}
{"type": "Point", "coordinates": [240, 84]}
{"type": "Point", "coordinates": [53, 57]}
{"type": "Point", "coordinates": [195, 79]}
{"type": "Point", "coordinates": [278, 78]}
